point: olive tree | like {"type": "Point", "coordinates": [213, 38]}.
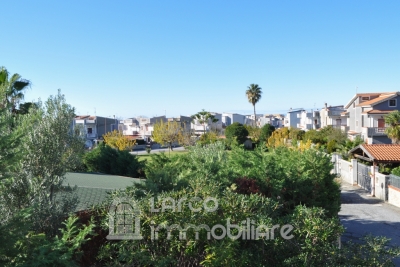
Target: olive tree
{"type": "Point", "coordinates": [49, 148]}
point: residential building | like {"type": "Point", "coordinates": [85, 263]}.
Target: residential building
{"type": "Point", "coordinates": [199, 128]}
{"type": "Point", "coordinates": [275, 120]}
{"type": "Point", "coordinates": [365, 115]}
{"type": "Point", "coordinates": [292, 118]}
{"type": "Point", "coordinates": [94, 127]}
{"type": "Point", "coordinates": [146, 126]}
{"type": "Point", "coordinates": [229, 118]}
{"type": "Point", "coordinates": [309, 120]}
{"type": "Point", "coordinates": [130, 127]}
{"type": "Point", "coordinates": [332, 115]}
{"type": "Point", "coordinates": [184, 121]}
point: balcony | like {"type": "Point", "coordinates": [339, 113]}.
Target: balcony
{"type": "Point", "coordinates": [335, 113]}
{"type": "Point", "coordinates": [376, 131]}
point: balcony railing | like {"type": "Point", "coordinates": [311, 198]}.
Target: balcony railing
{"type": "Point", "coordinates": [335, 113]}
{"type": "Point", "coordinates": [376, 131]}
{"type": "Point", "coordinates": [91, 135]}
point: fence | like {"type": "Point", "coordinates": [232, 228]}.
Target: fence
{"type": "Point", "coordinates": [394, 180]}
{"type": "Point", "coordinates": [394, 190]}
{"type": "Point", "coordinates": [387, 187]}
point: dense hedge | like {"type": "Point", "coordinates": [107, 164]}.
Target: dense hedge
{"type": "Point", "coordinates": [108, 160]}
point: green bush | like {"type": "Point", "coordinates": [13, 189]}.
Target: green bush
{"type": "Point", "coordinates": [23, 247]}
{"type": "Point", "coordinates": [266, 132]}
{"type": "Point", "coordinates": [105, 159]}
{"type": "Point", "coordinates": [331, 147]}
{"type": "Point", "coordinates": [396, 171]}
{"type": "Point", "coordinates": [238, 131]}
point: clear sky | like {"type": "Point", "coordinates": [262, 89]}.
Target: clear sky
{"type": "Point", "coordinates": [131, 58]}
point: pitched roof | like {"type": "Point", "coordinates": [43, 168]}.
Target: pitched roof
{"type": "Point", "coordinates": [366, 94]}
{"type": "Point", "coordinates": [377, 100]}
{"type": "Point", "coordinates": [377, 111]}
{"type": "Point", "coordinates": [378, 152]}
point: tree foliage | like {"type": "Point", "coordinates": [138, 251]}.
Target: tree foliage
{"type": "Point", "coordinates": [116, 139]}
{"type": "Point", "coordinates": [105, 159]}
{"type": "Point", "coordinates": [167, 132]}
{"type": "Point", "coordinates": [253, 94]}
{"type": "Point", "coordinates": [13, 87]}
{"type": "Point", "coordinates": [393, 131]}
{"type": "Point", "coordinates": [266, 132]}
{"type": "Point", "coordinates": [278, 137]}
{"type": "Point", "coordinates": [236, 131]}
{"type": "Point", "coordinates": [204, 118]}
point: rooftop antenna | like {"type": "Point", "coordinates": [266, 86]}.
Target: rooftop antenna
{"type": "Point", "coordinates": [95, 111]}
{"type": "Point", "coordinates": [356, 89]}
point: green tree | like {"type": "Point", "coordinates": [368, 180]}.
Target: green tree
{"type": "Point", "coordinates": [9, 142]}
{"type": "Point", "coordinates": [116, 139]}
{"type": "Point", "coordinates": [14, 87]}
{"type": "Point", "coordinates": [254, 133]}
{"type": "Point", "coordinates": [253, 94]}
{"type": "Point", "coordinates": [105, 159]}
{"type": "Point", "coordinates": [204, 118]}
{"type": "Point", "coordinates": [393, 131]}
{"type": "Point", "coordinates": [49, 149]}
{"type": "Point", "coordinates": [236, 131]}
{"type": "Point", "coordinates": [266, 132]}
{"type": "Point", "coordinates": [167, 132]}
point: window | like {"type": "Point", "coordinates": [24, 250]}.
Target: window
{"type": "Point", "coordinates": [365, 98]}
{"type": "Point", "coordinates": [392, 103]}
{"type": "Point", "coordinates": [89, 130]}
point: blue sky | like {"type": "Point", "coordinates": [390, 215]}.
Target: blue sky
{"type": "Point", "coordinates": [131, 58]}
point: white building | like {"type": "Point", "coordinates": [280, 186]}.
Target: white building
{"type": "Point", "coordinates": [199, 127]}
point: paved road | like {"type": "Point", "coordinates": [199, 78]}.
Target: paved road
{"type": "Point", "coordinates": [143, 152]}
{"type": "Point", "coordinates": [362, 214]}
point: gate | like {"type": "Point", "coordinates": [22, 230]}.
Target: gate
{"type": "Point", "coordinates": [363, 178]}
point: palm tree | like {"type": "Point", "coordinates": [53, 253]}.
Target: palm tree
{"type": "Point", "coordinates": [13, 88]}
{"type": "Point", "coordinates": [253, 94]}
{"type": "Point", "coordinates": [393, 131]}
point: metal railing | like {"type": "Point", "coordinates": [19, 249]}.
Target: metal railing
{"type": "Point", "coordinates": [372, 131]}
{"type": "Point", "coordinates": [394, 180]}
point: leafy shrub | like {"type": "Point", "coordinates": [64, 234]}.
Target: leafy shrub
{"type": "Point", "coordinates": [331, 147]}
{"type": "Point", "coordinates": [266, 132]}
{"type": "Point", "coordinates": [238, 131]}
{"type": "Point", "coordinates": [105, 159]}
{"type": "Point", "coordinates": [247, 186]}
{"type": "Point", "coordinates": [208, 138]}
{"type": "Point", "coordinates": [27, 248]}
{"type": "Point", "coordinates": [396, 171]}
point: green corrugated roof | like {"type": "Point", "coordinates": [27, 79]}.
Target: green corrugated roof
{"type": "Point", "coordinates": [92, 188]}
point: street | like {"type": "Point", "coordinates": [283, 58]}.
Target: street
{"type": "Point", "coordinates": [361, 214]}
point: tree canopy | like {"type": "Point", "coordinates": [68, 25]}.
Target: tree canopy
{"type": "Point", "coordinates": [167, 132]}
{"type": "Point", "coordinates": [238, 131]}
{"type": "Point", "coordinates": [393, 131]}
{"type": "Point", "coordinates": [204, 118]}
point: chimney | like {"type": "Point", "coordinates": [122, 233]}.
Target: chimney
{"type": "Point", "coordinates": [326, 106]}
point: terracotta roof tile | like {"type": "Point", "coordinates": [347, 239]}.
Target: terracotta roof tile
{"type": "Point", "coordinates": [381, 152]}
{"type": "Point", "coordinates": [382, 97]}
{"type": "Point", "coordinates": [376, 111]}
